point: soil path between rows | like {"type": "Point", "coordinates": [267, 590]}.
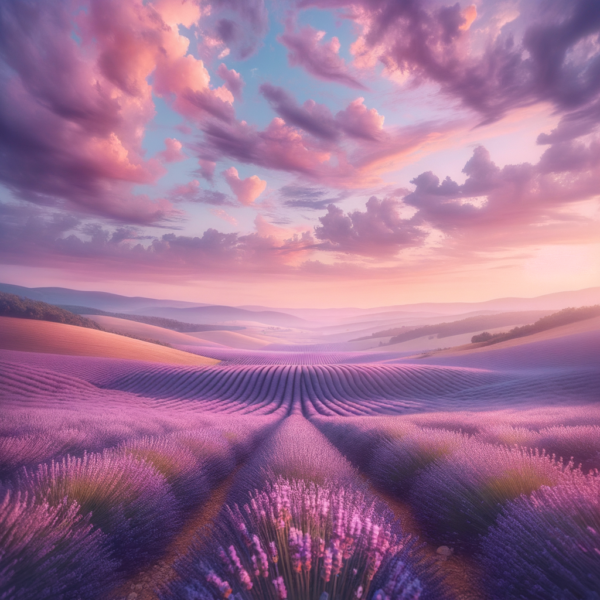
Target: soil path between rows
{"type": "Point", "coordinates": [144, 584]}
{"type": "Point", "coordinates": [460, 574]}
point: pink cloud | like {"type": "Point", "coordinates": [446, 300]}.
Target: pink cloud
{"type": "Point", "coordinates": [233, 80]}
{"type": "Point", "coordinates": [345, 151]}
{"type": "Point", "coordinates": [358, 121]}
{"type": "Point", "coordinates": [531, 58]}
{"type": "Point", "coordinates": [192, 192]}
{"type": "Point", "coordinates": [246, 190]}
{"type": "Point", "coordinates": [172, 151]}
{"type": "Point", "coordinates": [219, 212]}
{"type": "Point", "coordinates": [77, 109]}
{"type": "Point", "coordinates": [321, 59]}
{"type": "Point", "coordinates": [378, 231]}
{"type": "Point", "coordinates": [233, 26]}
{"type": "Point", "coordinates": [207, 169]}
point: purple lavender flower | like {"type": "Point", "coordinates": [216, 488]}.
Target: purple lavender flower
{"type": "Point", "coordinates": [311, 553]}
{"type": "Point", "coordinates": [49, 552]}
{"type": "Point", "coordinates": [125, 497]}
{"type": "Point", "coordinates": [546, 545]}
{"type": "Point", "coordinates": [460, 497]}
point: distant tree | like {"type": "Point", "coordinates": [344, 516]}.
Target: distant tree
{"type": "Point", "coordinates": [485, 336]}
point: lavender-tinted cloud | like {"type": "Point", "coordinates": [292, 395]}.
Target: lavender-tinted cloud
{"type": "Point", "coordinates": [377, 232]}
{"type": "Point", "coordinates": [321, 59]}
{"type": "Point", "coordinates": [545, 55]}
{"type": "Point", "coordinates": [240, 26]}
{"type": "Point", "coordinates": [192, 192]}
{"type": "Point", "coordinates": [314, 118]}
{"type": "Point", "coordinates": [496, 201]}
{"type": "Point", "coordinates": [307, 197]}
{"type": "Point", "coordinates": [73, 112]}
{"type": "Point", "coordinates": [233, 80]}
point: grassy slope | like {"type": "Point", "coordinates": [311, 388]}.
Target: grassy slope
{"type": "Point", "coordinates": [28, 335]}
{"type": "Point", "coordinates": [558, 319]}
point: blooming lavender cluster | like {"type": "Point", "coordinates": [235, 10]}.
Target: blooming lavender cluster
{"type": "Point", "coordinates": [547, 545]}
{"type": "Point", "coordinates": [126, 498]}
{"type": "Point", "coordinates": [299, 540]}
{"type": "Point", "coordinates": [296, 449]}
{"type": "Point", "coordinates": [459, 497]}
{"type": "Point", "coordinates": [109, 512]}
{"type": "Point", "coordinates": [50, 552]}
{"type": "Point", "coordinates": [396, 462]}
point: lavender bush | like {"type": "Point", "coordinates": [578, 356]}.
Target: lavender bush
{"type": "Point", "coordinates": [125, 497]}
{"type": "Point", "coordinates": [458, 498]}
{"type": "Point", "coordinates": [547, 545]}
{"type": "Point", "coordinates": [299, 540]}
{"type": "Point", "coordinates": [397, 461]}
{"type": "Point", "coordinates": [580, 443]}
{"type": "Point", "coordinates": [298, 450]}
{"type": "Point", "coordinates": [177, 464]}
{"type": "Point", "coordinates": [50, 552]}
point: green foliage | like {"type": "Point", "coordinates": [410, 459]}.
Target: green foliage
{"type": "Point", "coordinates": [23, 308]}
{"type": "Point", "coordinates": [163, 322]}
{"type": "Point", "coordinates": [442, 330]}
{"type": "Point", "coordinates": [557, 319]}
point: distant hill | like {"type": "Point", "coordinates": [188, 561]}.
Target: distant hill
{"type": "Point", "coordinates": [218, 314]}
{"type": "Point", "coordinates": [101, 300]}
{"type": "Point", "coordinates": [442, 330]}
{"type": "Point", "coordinates": [558, 319]}
{"type": "Point", "coordinates": [171, 324]}
{"type": "Point", "coordinates": [12, 305]}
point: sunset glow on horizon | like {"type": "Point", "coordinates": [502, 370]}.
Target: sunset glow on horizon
{"type": "Point", "coordinates": [304, 153]}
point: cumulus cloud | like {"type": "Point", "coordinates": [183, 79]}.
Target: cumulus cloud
{"type": "Point", "coordinates": [233, 80]}
{"type": "Point", "coordinates": [172, 151]}
{"type": "Point", "coordinates": [348, 150]}
{"type": "Point", "coordinates": [233, 26]}
{"type": "Point", "coordinates": [245, 190]}
{"type": "Point", "coordinates": [33, 236]}
{"type": "Point", "coordinates": [297, 196]}
{"type": "Point", "coordinates": [73, 110]}
{"type": "Point", "coordinates": [547, 53]}
{"type": "Point", "coordinates": [192, 192]}
{"type": "Point", "coordinates": [311, 117]}
{"type": "Point", "coordinates": [308, 50]}
{"type": "Point", "coordinates": [357, 121]}
{"type": "Point", "coordinates": [518, 204]}
{"type": "Point", "coordinates": [377, 232]}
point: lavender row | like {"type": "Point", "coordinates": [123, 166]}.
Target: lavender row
{"type": "Point", "coordinates": [130, 501]}
{"type": "Point", "coordinates": [456, 483]}
{"type": "Point", "coordinates": [300, 540]}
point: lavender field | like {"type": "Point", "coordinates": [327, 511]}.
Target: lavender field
{"type": "Point", "coordinates": [312, 472]}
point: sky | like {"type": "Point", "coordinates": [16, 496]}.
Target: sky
{"type": "Point", "coordinates": [301, 153]}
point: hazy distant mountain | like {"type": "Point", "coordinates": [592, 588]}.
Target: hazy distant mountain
{"type": "Point", "coordinates": [101, 300]}
{"type": "Point", "coordinates": [219, 314]}
{"type": "Point", "coordinates": [555, 301]}
{"type": "Point", "coordinates": [388, 316]}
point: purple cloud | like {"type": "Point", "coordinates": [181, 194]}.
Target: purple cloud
{"type": "Point", "coordinates": [240, 26]}
{"type": "Point", "coordinates": [233, 80]}
{"type": "Point", "coordinates": [377, 232]}
{"type": "Point", "coordinates": [312, 117]}
{"type": "Point", "coordinates": [321, 59]}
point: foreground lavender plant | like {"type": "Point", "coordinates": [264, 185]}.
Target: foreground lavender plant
{"type": "Point", "coordinates": [303, 541]}
{"type": "Point", "coordinates": [458, 498]}
{"type": "Point", "coordinates": [50, 552]}
{"type": "Point", "coordinates": [126, 497]}
{"type": "Point", "coordinates": [547, 545]}
{"type": "Point", "coordinates": [396, 462]}
{"type": "Point", "coordinates": [176, 463]}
